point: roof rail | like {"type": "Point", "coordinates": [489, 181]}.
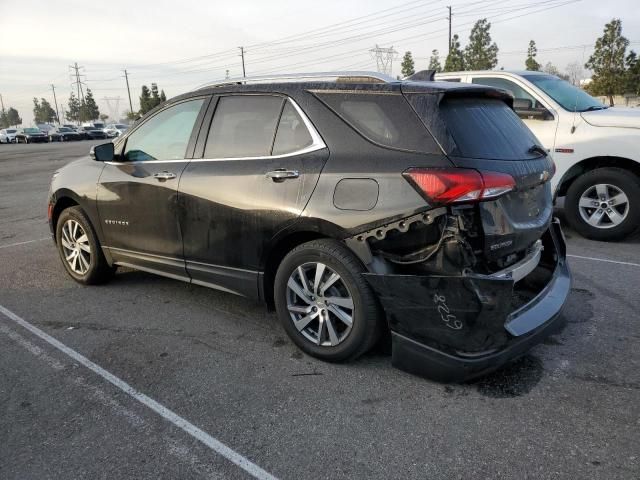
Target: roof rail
{"type": "Point", "coordinates": [346, 76]}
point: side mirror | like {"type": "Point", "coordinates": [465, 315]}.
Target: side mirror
{"type": "Point", "coordinates": [102, 153]}
{"type": "Point", "coordinates": [525, 110]}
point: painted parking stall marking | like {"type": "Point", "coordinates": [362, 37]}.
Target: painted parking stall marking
{"type": "Point", "coordinates": [211, 442]}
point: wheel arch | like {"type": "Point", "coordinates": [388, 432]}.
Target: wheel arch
{"type": "Point", "coordinates": [592, 163]}
{"type": "Point", "coordinates": [304, 230]}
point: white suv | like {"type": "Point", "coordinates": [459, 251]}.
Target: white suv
{"type": "Point", "coordinates": [8, 135]}
{"type": "Point", "coordinates": [596, 148]}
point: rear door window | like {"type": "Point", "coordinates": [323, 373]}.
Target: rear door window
{"type": "Point", "coordinates": [243, 126]}
{"type": "Point", "coordinates": [487, 128]}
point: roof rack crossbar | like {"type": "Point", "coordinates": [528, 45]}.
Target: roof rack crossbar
{"type": "Point", "coordinates": [292, 77]}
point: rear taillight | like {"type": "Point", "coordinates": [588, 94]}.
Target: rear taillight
{"type": "Point", "coordinates": [458, 185]}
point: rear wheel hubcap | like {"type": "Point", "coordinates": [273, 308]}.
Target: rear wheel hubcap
{"type": "Point", "coordinates": [603, 206]}
{"type": "Point", "coordinates": [75, 247]}
{"type": "Point", "coordinates": [320, 304]}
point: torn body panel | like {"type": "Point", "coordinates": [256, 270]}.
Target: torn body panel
{"type": "Point", "coordinates": [464, 317]}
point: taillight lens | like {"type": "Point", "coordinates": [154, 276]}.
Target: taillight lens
{"type": "Point", "coordinates": [458, 185]}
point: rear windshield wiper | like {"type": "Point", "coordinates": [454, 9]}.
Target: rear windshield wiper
{"type": "Point", "coordinates": [538, 149]}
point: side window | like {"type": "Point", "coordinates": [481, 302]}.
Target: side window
{"type": "Point", "coordinates": [292, 134]}
{"type": "Point", "coordinates": [454, 80]}
{"type": "Point", "coordinates": [164, 136]}
{"type": "Point", "coordinates": [517, 91]}
{"type": "Point", "coordinates": [243, 126]}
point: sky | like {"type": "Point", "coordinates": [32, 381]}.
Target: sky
{"type": "Point", "coordinates": [183, 44]}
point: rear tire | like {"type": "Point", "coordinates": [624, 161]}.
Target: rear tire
{"type": "Point", "coordinates": [339, 296]}
{"type": "Point", "coordinates": [604, 204]}
{"type": "Point", "coordinates": [80, 249]}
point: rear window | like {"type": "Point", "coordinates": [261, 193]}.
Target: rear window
{"type": "Point", "coordinates": [487, 128]}
{"type": "Point", "coordinates": [386, 119]}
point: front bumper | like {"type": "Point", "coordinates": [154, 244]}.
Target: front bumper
{"type": "Point", "coordinates": [453, 329]}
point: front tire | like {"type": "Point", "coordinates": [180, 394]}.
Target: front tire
{"type": "Point", "coordinates": [604, 204]}
{"type": "Point", "coordinates": [323, 302]}
{"type": "Point", "coordinates": [80, 249]}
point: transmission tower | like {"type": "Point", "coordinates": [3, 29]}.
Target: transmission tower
{"type": "Point", "coordinates": [384, 58]}
{"type": "Point", "coordinates": [114, 111]}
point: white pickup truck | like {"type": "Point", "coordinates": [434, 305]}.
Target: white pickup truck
{"type": "Point", "coordinates": [596, 149]}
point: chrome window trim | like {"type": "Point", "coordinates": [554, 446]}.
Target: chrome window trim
{"type": "Point", "coordinates": [316, 144]}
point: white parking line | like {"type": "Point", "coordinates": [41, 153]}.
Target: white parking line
{"type": "Point", "coordinates": [214, 444]}
{"type": "Point", "coordinates": [605, 260]}
{"type": "Point", "coordinates": [24, 243]}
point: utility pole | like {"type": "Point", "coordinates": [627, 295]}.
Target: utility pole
{"type": "Point", "coordinates": [449, 28]}
{"type": "Point", "coordinates": [53, 88]}
{"type": "Point", "coordinates": [126, 77]}
{"type": "Point", "coordinates": [244, 74]}
{"type": "Point", "coordinates": [2, 102]}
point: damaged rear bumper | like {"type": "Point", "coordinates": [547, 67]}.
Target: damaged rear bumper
{"type": "Point", "coordinates": [455, 328]}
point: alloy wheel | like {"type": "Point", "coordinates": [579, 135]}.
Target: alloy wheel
{"type": "Point", "coordinates": [603, 206]}
{"type": "Point", "coordinates": [320, 304]}
{"type": "Point", "coordinates": [75, 246]}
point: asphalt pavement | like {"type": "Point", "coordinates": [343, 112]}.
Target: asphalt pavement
{"type": "Point", "coordinates": [240, 391]}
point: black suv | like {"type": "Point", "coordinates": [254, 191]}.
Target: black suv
{"type": "Point", "coordinates": [354, 206]}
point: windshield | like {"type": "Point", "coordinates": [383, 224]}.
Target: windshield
{"type": "Point", "coordinates": [64, 129]}
{"type": "Point", "coordinates": [31, 130]}
{"type": "Point", "coordinates": [121, 127]}
{"type": "Point", "coordinates": [569, 97]}
{"type": "Point", "coordinates": [11, 131]}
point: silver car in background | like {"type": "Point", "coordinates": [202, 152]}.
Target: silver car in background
{"type": "Point", "coordinates": [115, 129]}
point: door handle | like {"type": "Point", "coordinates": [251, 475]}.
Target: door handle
{"type": "Point", "coordinates": [280, 175]}
{"type": "Point", "coordinates": [162, 176]}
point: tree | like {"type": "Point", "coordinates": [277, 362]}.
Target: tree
{"type": "Point", "coordinates": [163, 97]}
{"type": "Point", "coordinates": [551, 69]}
{"type": "Point", "coordinates": [408, 66]}
{"type": "Point", "coordinates": [73, 112]}
{"type": "Point", "coordinates": [530, 63]}
{"type": "Point", "coordinates": [455, 59]}
{"type": "Point", "coordinates": [145, 100]}
{"type": "Point", "coordinates": [608, 62]}
{"type": "Point", "coordinates": [574, 72]}
{"type": "Point", "coordinates": [632, 76]}
{"type": "Point", "coordinates": [42, 111]}
{"type": "Point", "coordinates": [89, 109]}
{"type": "Point", "coordinates": [13, 117]}
{"type": "Point", "coordinates": [480, 53]}
{"type": "Point", "coordinates": [434, 61]}
{"type": "Point", "coordinates": [103, 117]}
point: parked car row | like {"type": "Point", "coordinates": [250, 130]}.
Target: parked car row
{"type": "Point", "coordinates": [63, 133]}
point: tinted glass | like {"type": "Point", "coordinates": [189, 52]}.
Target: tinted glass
{"type": "Point", "coordinates": [64, 129]}
{"type": "Point", "coordinates": [487, 128]}
{"type": "Point", "coordinates": [31, 130]}
{"type": "Point", "coordinates": [386, 119]}
{"type": "Point", "coordinates": [243, 126]}
{"type": "Point", "coordinates": [292, 134]}
{"type": "Point", "coordinates": [568, 96]}
{"type": "Point", "coordinates": [11, 131]}
{"type": "Point", "coordinates": [164, 136]}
